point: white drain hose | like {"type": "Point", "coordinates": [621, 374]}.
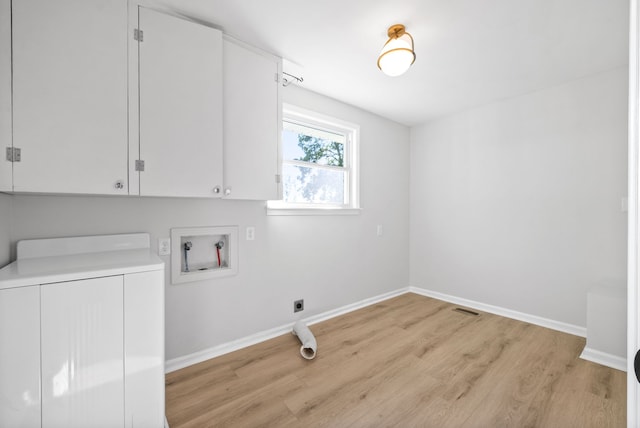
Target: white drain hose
{"type": "Point", "coordinates": [309, 344]}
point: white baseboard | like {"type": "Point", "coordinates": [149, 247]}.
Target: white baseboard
{"type": "Point", "coordinates": [225, 348]}
{"type": "Point", "coordinates": [606, 359]}
{"type": "Point", "coordinates": [520, 316]}
{"type": "Point", "coordinates": [355, 306]}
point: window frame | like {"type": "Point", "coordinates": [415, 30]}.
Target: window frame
{"type": "Point", "coordinates": [351, 131]}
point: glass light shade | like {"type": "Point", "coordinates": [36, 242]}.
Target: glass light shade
{"type": "Point", "coordinates": [397, 55]}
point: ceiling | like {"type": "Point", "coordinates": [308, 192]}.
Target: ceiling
{"type": "Point", "coordinates": [469, 52]}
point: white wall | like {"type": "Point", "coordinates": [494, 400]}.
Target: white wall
{"type": "Point", "coordinates": [330, 261]}
{"type": "Point", "coordinates": [518, 203]}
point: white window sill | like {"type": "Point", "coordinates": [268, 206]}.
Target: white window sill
{"type": "Point", "coordinates": [283, 210]}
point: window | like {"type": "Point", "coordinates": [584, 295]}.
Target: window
{"type": "Point", "coordinates": [319, 164]}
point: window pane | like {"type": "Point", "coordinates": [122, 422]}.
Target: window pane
{"type": "Point", "coordinates": [307, 146]}
{"type": "Point", "coordinates": [290, 148]}
{"type": "Point", "coordinates": [309, 184]}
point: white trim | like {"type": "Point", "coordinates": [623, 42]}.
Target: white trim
{"type": "Point", "coordinates": [225, 348]}
{"type": "Point", "coordinates": [315, 117]}
{"type": "Point", "coordinates": [508, 313]}
{"type": "Point", "coordinates": [355, 306]}
{"type": "Point", "coordinates": [274, 210]}
{"type": "Point", "coordinates": [351, 131]}
{"type": "Point", "coordinates": [604, 358]}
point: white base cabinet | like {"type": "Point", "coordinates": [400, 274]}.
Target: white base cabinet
{"type": "Point", "coordinates": [144, 349]}
{"type": "Point", "coordinates": [82, 339]}
{"type": "Point", "coordinates": [82, 353]}
{"type": "Point", "coordinates": [20, 357]}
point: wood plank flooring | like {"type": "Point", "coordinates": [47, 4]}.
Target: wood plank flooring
{"type": "Point", "coordinates": [410, 361]}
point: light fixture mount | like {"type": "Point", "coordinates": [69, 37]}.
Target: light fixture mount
{"type": "Point", "coordinates": [397, 54]}
{"type": "Point", "coordinates": [396, 31]}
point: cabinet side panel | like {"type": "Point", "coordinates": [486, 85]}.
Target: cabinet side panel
{"type": "Point", "coordinates": [5, 94]}
{"type": "Point", "coordinates": [144, 349]}
{"type": "Point", "coordinates": [20, 357]}
{"type": "Point", "coordinates": [82, 353]}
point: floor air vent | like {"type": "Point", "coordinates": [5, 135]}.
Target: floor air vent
{"type": "Point", "coordinates": [466, 311]}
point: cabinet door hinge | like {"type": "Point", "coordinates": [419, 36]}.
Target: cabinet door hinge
{"type": "Point", "coordinates": [278, 178]}
{"type": "Point", "coordinates": [13, 154]}
{"type": "Point", "coordinates": [139, 165]}
{"type": "Point", "coordinates": [138, 35]}
{"type": "Point", "coordinates": [277, 77]}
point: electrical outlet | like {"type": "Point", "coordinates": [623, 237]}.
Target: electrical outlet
{"type": "Point", "coordinates": [164, 246]}
{"type": "Point", "coordinates": [298, 305]}
{"type": "Point", "coordinates": [251, 233]}
{"type": "Point", "coordinates": [379, 230]}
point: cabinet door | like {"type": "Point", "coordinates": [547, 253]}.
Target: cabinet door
{"type": "Point", "coordinates": [252, 122]}
{"type": "Point", "coordinates": [20, 357]}
{"type": "Point", "coordinates": [82, 353]}
{"type": "Point", "coordinates": [180, 103]}
{"type": "Point", "coordinates": [144, 349]}
{"type": "Point", "coordinates": [70, 96]}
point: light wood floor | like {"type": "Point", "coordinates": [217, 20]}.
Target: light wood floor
{"type": "Point", "coordinates": [410, 361]}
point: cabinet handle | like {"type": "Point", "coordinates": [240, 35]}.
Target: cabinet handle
{"type": "Point", "coordinates": [216, 190]}
{"type": "Point", "coordinates": [119, 185]}
{"type": "Point", "coordinates": [227, 191]}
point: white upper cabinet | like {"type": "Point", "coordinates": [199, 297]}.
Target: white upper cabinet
{"type": "Point", "coordinates": [252, 122]}
{"type": "Point", "coordinates": [69, 96]}
{"type": "Point", "coordinates": [6, 169]}
{"type": "Point", "coordinates": [179, 78]}
{"type": "Point", "coordinates": [111, 97]}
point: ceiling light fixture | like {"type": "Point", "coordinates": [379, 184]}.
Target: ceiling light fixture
{"type": "Point", "coordinates": [397, 54]}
